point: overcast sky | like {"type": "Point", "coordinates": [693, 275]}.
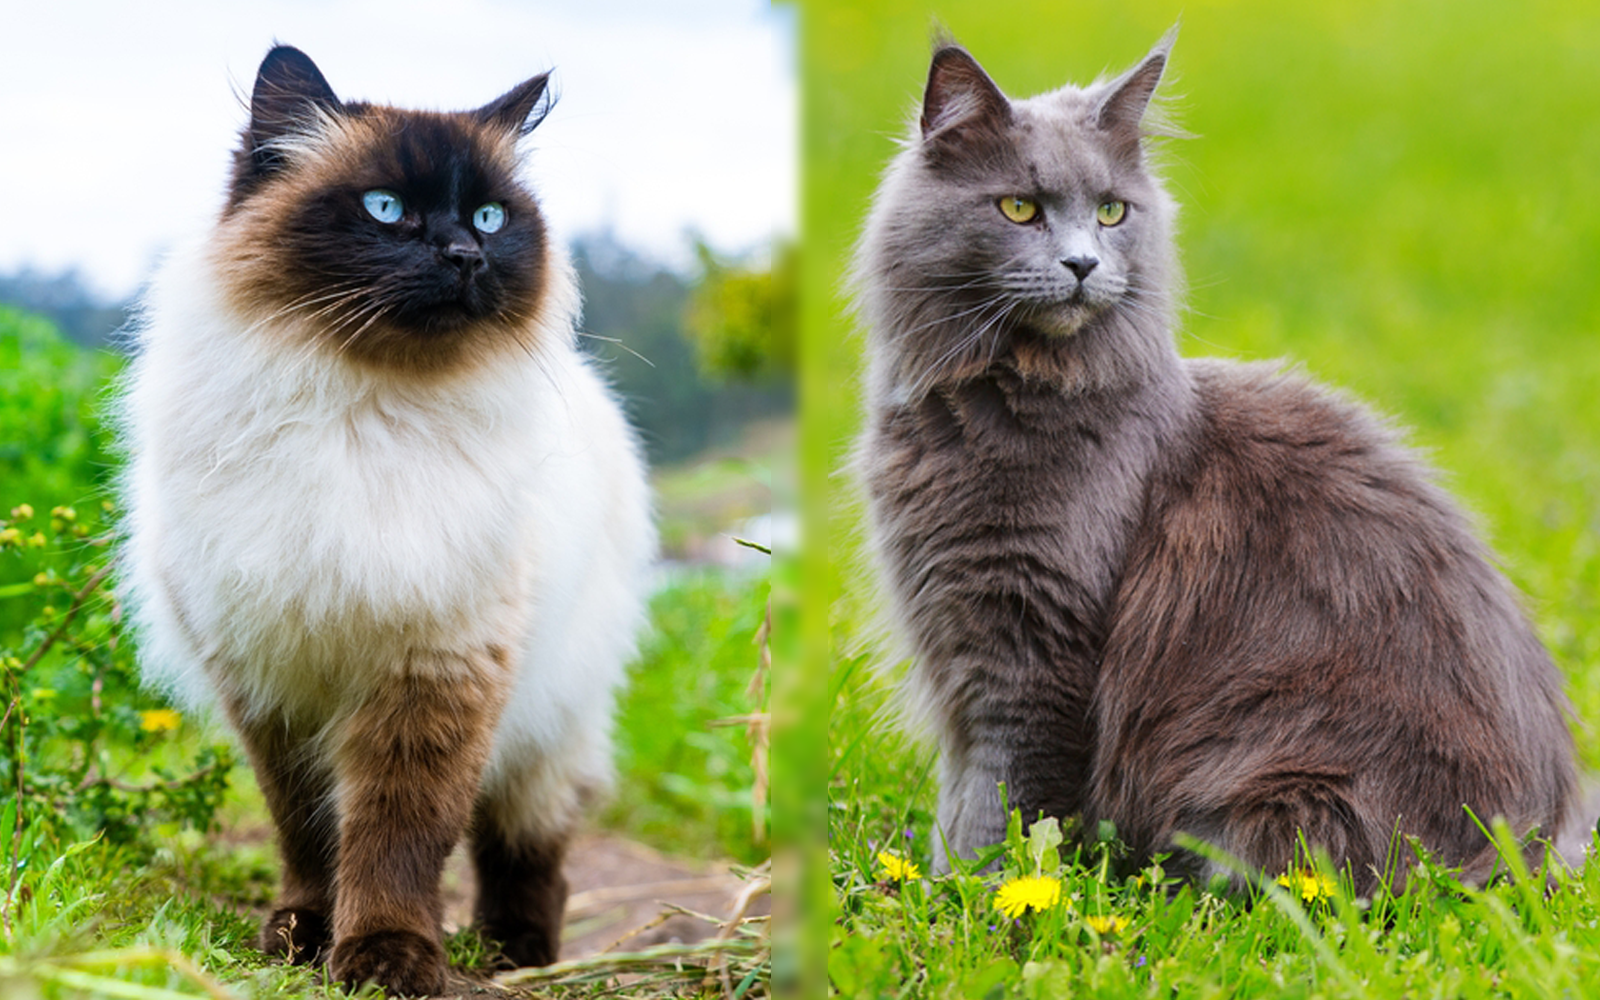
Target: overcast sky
{"type": "Point", "coordinates": [117, 119]}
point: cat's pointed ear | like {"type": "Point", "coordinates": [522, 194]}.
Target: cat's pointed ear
{"type": "Point", "coordinates": [289, 97]}
{"type": "Point", "coordinates": [521, 108]}
{"type": "Point", "coordinates": [960, 98]}
{"type": "Point", "coordinates": [1122, 110]}
{"type": "Point", "coordinates": [288, 94]}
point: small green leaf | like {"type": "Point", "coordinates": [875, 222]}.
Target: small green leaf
{"type": "Point", "coordinates": [1044, 839]}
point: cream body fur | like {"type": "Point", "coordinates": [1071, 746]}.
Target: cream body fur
{"type": "Point", "coordinates": [300, 527]}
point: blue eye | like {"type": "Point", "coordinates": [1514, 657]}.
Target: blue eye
{"type": "Point", "coordinates": [489, 218]}
{"type": "Point", "coordinates": [385, 206]}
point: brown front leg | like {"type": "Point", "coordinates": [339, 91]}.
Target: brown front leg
{"type": "Point", "coordinates": [299, 792]}
{"type": "Point", "coordinates": [408, 763]}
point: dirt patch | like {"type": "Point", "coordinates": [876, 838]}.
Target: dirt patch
{"type": "Point", "coordinates": [622, 896]}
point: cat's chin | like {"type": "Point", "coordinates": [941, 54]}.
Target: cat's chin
{"type": "Point", "coordinates": [1061, 321]}
{"type": "Point", "coordinates": [440, 320]}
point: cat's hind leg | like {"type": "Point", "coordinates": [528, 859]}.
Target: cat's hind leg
{"type": "Point", "coordinates": [522, 894]}
{"type": "Point", "coordinates": [530, 806]}
{"type": "Point", "coordinates": [1272, 819]}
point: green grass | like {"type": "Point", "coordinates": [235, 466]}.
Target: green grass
{"type": "Point", "coordinates": [685, 779]}
{"type": "Point", "coordinates": [1401, 199]}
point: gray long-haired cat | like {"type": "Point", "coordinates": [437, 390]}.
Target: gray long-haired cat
{"type": "Point", "coordinates": [1185, 596]}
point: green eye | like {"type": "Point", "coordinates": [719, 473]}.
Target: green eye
{"type": "Point", "coordinates": [1018, 210]}
{"type": "Point", "coordinates": [385, 206]}
{"type": "Point", "coordinates": [489, 218]}
{"type": "Point", "coordinates": [1111, 213]}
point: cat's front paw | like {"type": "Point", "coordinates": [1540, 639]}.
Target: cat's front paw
{"type": "Point", "coordinates": [297, 934]}
{"type": "Point", "coordinates": [401, 962]}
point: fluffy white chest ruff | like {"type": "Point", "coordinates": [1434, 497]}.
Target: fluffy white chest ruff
{"type": "Point", "coordinates": [298, 524]}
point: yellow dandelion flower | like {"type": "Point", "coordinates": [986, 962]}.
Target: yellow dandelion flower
{"type": "Point", "coordinates": [1107, 925]}
{"type": "Point", "coordinates": [22, 511]}
{"type": "Point", "coordinates": [159, 720]}
{"type": "Point", "coordinates": [898, 869]}
{"type": "Point", "coordinates": [1036, 892]}
{"type": "Point", "coordinates": [1311, 885]}
{"type": "Point", "coordinates": [10, 536]}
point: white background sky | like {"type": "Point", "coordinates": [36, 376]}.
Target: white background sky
{"type": "Point", "coordinates": [117, 119]}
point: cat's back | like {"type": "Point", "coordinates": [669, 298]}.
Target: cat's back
{"type": "Point", "coordinates": [1267, 447]}
{"type": "Point", "coordinates": [1304, 608]}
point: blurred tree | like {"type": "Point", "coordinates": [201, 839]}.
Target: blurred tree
{"type": "Point", "coordinates": [742, 317]}
{"type": "Point", "coordinates": [634, 322]}
{"type": "Point", "coordinates": [78, 311]}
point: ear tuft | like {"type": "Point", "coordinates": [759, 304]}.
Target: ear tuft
{"type": "Point", "coordinates": [521, 108]}
{"type": "Point", "coordinates": [1128, 97]}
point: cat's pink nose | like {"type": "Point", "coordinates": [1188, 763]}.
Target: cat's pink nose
{"type": "Point", "coordinates": [1080, 266]}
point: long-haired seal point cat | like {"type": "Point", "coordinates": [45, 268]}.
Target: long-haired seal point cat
{"type": "Point", "coordinates": [380, 509]}
{"type": "Point", "coordinates": [1184, 596]}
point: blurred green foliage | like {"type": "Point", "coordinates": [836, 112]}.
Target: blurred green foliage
{"type": "Point", "coordinates": [687, 786]}
{"type": "Point", "coordinates": [83, 751]}
{"type": "Point", "coordinates": [633, 320]}
{"type": "Point", "coordinates": [742, 316]}
{"type": "Point", "coordinates": [51, 447]}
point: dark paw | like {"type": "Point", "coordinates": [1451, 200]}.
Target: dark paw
{"type": "Point", "coordinates": [297, 934]}
{"type": "Point", "coordinates": [524, 946]}
{"type": "Point", "coordinates": [399, 961]}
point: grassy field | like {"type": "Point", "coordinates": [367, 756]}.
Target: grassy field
{"type": "Point", "coordinates": [141, 854]}
{"type": "Point", "coordinates": [1402, 199]}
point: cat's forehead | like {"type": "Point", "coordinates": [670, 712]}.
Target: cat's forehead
{"type": "Point", "coordinates": [1060, 147]}
{"type": "Point", "coordinates": [396, 147]}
